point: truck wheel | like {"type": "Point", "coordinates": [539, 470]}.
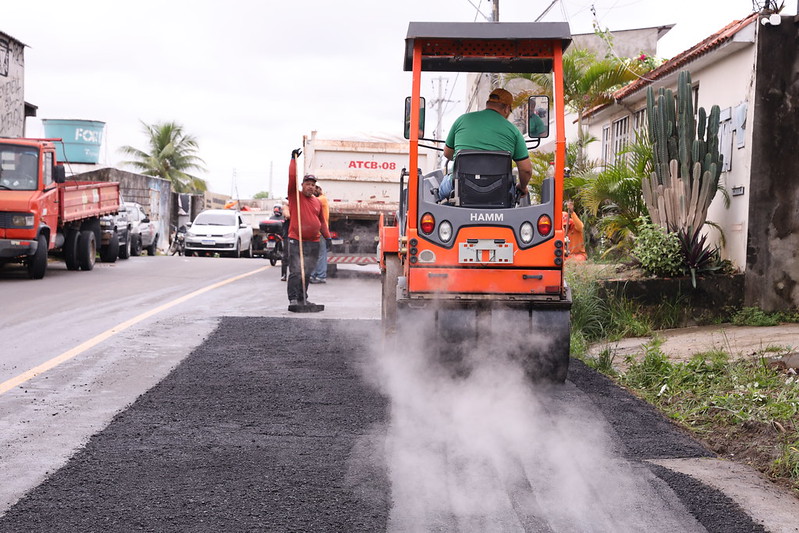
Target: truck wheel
{"type": "Point", "coordinates": [135, 246]}
{"type": "Point", "coordinates": [70, 249]}
{"type": "Point", "coordinates": [37, 265]}
{"type": "Point", "coordinates": [151, 248]}
{"type": "Point", "coordinates": [124, 250]}
{"type": "Point", "coordinates": [110, 252]}
{"type": "Point", "coordinates": [87, 249]}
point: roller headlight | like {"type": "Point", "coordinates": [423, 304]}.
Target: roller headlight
{"type": "Point", "coordinates": [445, 231]}
{"type": "Point", "coordinates": [526, 232]}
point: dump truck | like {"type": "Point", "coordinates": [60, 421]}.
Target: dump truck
{"type": "Point", "coordinates": [480, 272]}
{"type": "Point", "coordinates": [40, 212]}
{"type": "Point", "coordinates": [360, 177]}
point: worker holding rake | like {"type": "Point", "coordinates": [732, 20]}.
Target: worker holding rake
{"type": "Point", "coordinates": [307, 222]}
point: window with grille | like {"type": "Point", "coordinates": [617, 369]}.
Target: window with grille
{"type": "Point", "coordinates": [621, 135]}
{"type": "Point", "coordinates": [606, 155]}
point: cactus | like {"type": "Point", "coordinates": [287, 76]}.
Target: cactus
{"type": "Point", "coordinates": [687, 162]}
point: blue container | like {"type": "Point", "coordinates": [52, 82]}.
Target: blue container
{"type": "Point", "coordinates": [82, 139]}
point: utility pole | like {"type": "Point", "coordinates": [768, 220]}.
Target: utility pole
{"type": "Point", "coordinates": [438, 104]}
{"type": "Point", "coordinates": [494, 78]}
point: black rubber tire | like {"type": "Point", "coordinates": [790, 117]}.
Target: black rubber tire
{"type": "Point", "coordinates": [70, 249]}
{"type": "Point", "coordinates": [135, 246]}
{"type": "Point", "coordinates": [248, 252]}
{"type": "Point", "coordinates": [110, 252]}
{"type": "Point", "coordinates": [124, 250]}
{"type": "Point", "coordinates": [37, 264]}
{"type": "Point", "coordinates": [237, 252]}
{"type": "Point", "coordinates": [87, 249]}
{"type": "Point", "coordinates": [152, 248]}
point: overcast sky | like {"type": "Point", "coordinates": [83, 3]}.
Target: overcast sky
{"type": "Point", "coordinates": [249, 78]}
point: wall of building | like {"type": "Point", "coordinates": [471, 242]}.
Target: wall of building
{"type": "Point", "coordinates": [729, 83]}
{"type": "Point", "coordinates": [154, 195]}
{"type": "Point", "coordinates": [725, 79]}
{"type": "Point", "coordinates": [12, 87]}
{"type": "Point", "coordinates": [772, 273]}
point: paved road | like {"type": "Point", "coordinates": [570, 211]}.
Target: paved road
{"type": "Point", "coordinates": [255, 431]}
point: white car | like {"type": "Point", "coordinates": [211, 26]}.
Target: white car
{"type": "Point", "coordinates": [219, 231]}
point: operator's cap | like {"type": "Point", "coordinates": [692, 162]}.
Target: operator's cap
{"type": "Point", "coordinates": [501, 96]}
{"type": "Point", "coordinates": [309, 177]}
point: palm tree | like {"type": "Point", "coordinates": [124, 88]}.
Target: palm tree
{"type": "Point", "coordinates": [612, 198]}
{"type": "Point", "coordinates": [588, 82]}
{"type": "Point", "coordinates": [172, 154]}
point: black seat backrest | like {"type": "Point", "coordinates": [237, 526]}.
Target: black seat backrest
{"type": "Point", "coordinates": [484, 178]}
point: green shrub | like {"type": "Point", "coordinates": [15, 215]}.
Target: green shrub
{"type": "Point", "coordinates": [753, 316]}
{"type": "Point", "coordinates": [659, 252]}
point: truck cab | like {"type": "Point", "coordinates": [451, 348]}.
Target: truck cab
{"type": "Point", "coordinates": [28, 195]}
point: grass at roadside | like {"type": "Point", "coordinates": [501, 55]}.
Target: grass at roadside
{"type": "Point", "coordinates": [744, 409]}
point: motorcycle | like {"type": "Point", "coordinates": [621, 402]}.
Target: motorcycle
{"type": "Point", "coordinates": [273, 240]}
{"type": "Point", "coordinates": [178, 245]}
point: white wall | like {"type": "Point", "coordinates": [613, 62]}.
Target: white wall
{"type": "Point", "coordinates": [12, 87]}
{"type": "Point", "coordinates": [725, 78]}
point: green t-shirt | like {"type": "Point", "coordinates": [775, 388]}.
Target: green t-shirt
{"type": "Point", "coordinates": [537, 126]}
{"type": "Point", "coordinates": [486, 130]}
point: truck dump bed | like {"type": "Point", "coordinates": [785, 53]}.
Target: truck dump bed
{"type": "Point", "coordinates": [84, 199]}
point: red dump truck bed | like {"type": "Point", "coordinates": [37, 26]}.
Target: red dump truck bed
{"type": "Point", "coordinates": [84, 199]}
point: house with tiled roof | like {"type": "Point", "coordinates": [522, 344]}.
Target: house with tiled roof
{"type": "Point", "coordinates": [750, 69]}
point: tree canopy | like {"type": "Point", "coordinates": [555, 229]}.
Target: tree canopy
{"type": "Point", "coordinates": [171, 155]}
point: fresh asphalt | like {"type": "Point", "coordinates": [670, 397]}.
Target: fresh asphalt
{"type": "Point", "coordinates": [280, 430]}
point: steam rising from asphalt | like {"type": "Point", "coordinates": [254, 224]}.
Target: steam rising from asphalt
{"type": "Point", "coordinates": [476, 447]}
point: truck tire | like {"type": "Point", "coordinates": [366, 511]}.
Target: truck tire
{"type": "Point", "coordinates": [70, 249]}
{"type": "Point", "coordinates": [124, 250]}
{"type": "Point", "coordinates": [135, 246]}
{"type": "Point", "coordinates": [151, 249]}
{"type": "Point", "coordinates": [110, 252]}
{"type": "Point", "coordinates": [87, 249]}
{"type": "Point", "coordinates": [37, 265]}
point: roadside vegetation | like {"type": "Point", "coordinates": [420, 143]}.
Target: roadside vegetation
{"type": "Point", "coordinates": [638, 213]}
{"type": "Point", "coordinates": [745, 409]}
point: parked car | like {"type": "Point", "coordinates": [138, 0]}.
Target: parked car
{"type": "Point", "coordinates": [219, 231]}
{"type": "Point", "coordinates": [115, 228]}
{"type": "Point", "coordinates": [144, 233]}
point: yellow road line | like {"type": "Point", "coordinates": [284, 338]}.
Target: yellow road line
{"type": "Point", "coordinates": [94, 341]}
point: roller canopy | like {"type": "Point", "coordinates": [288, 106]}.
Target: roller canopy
{"type": "Point", "coordinates": [486, 46]}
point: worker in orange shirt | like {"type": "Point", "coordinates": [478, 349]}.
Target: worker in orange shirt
{"type": "Point", "coordinates": [573, 228]}
{"type": "Point", "coordinates": [319, 274]}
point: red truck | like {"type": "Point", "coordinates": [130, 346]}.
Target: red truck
{"type": "Point", "coordinates": [40, 212]}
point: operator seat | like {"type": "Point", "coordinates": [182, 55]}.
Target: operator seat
{"type": "Point", "coordinates": [484, 179]}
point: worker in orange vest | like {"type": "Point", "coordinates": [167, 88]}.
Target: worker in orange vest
{"type": "Point", "coordinates": [573, 228]}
